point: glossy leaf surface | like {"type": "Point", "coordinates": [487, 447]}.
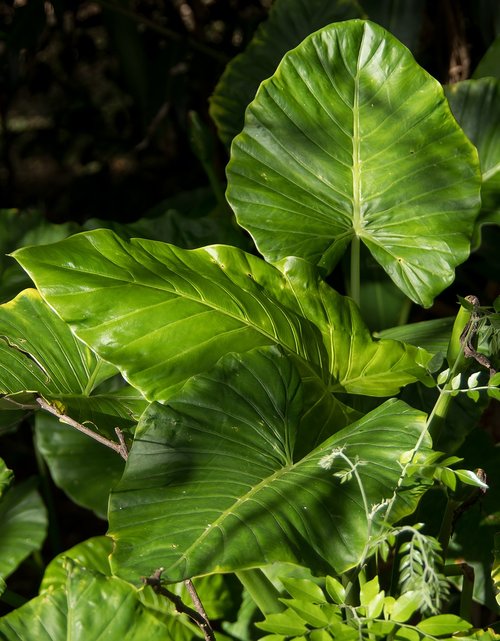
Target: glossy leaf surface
{"type": "Point", "coordinates": [358, 365]}
{"type": "Point", "coordinates": [89, 607]}
{"type": "Point", "coordinates": [162, 314]}
{"type": "Point", "coordinates": [23, 525]}
{"type": "Point", "coordinates": [39, 355]}
{"type": "Point", "coordinates": [350, 138]}
{"type": "Point", "coordinates": [215, 482]}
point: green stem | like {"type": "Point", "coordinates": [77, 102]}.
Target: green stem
{"type": "Point", "coordinates": [466, 571]}
{"type": "Point", "coordinates": [355, 287]}
{"type": "Point", "coordinates": [433, 426]}
{"type": "Point", "coordinates": [404, 312]}
{"type": "Point", "coordinates": [467, 593]}
{"type": "Point", "coordinates": [446, 526]}
{"type": "Point", "coordinates": [262, 591]}
{"type": "Point", "coordinates": [437, 417]}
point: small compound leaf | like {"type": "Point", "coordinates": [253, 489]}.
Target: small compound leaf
{"type": "Point", "coordinates": [304, 589]}
{"type": "Point", "coordinates": [443, 625]}
{"type": "Point", "coordinates": [288, 623]}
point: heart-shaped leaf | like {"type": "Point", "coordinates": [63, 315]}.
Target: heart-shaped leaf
{"type": "Point", "coordinates": [162, 314]}
{"type": "Point", "coordinates": [350, 140]}
{"type": "Point", "coordinates": [213, 481]}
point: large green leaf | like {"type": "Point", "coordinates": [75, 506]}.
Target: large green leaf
{"type": "Point", "coordinates": [350, 140]}
{"type": "Point", "coordinates": [162, 314]}
{"type": "Point", "coordinates": [19, 228]}
{"type": "Point", "coordinates": [289, 22]}
{"type": "Point", "coordinates": [23, 525]}
{"type": "Point", "coordinates": [83, 468]}
{"type": "Point", "coordinates": [88, 607]}
{"type": "Point", "coordinates": [39, 355]}
{"type": "Point", "coordinates": [93, 554]}
{"type": "Point", "coordinates": [358, 365]}
{"type": "Point", "coordinates": [213, 482]}
{"type": "Point", "coordinates": [476, 106]}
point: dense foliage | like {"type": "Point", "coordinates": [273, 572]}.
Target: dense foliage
{"type": "Point", "coordinates": [236, 383]}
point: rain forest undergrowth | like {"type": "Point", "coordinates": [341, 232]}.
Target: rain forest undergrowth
{"type": "Point", "coordinates": [275, 460]}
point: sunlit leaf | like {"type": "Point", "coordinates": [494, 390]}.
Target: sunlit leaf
{"type": "Point", "coordinates": [351, 139]}
{"type": "Point", "coordinates": [162, 314]}
{"type": "Point", "coordinates": [89, 607]}
{"type": "Point", "coordinates": [214, 479]}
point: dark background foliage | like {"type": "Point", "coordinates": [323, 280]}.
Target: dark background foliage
{"type": "Point", "coordinates": [95, 96]}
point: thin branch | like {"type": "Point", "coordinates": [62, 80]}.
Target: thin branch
{"type": "Point", "coordinates": [198, 616]}
{"type": "Point", "coordinates": [195, 599]}
{"type": "Point", "coordinates": [120, 447]}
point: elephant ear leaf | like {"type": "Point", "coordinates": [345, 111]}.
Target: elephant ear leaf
{"type": "Point", "coordinates": [352, 141]}
{"type": "Point", "coordinates": [222, 479]}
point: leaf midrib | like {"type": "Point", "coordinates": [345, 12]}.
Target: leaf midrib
{"type": "Point", "coordinates": [356, 149]}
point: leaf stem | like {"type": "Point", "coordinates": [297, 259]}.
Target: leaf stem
{"type": "Point", "coordinates": [467, 572]}
{"type": "Point", "coordinates": [119, 447]}
{"type": "Point", "coordinates": [262, 591]}
{"type": "Point", "coordinates": [355, 277]}
{"type": "Point", "coordinates": [446, 528]}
